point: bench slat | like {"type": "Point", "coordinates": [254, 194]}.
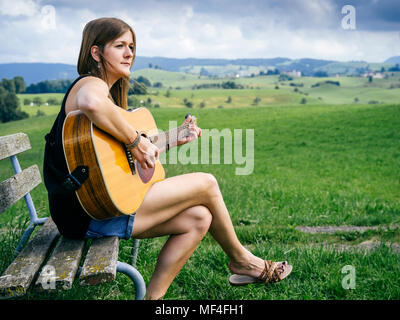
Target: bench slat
{"type": "Point", "coordinates": [13, 144]}
{"type": "Point", "coordinates": [101, 261]}
{"type": "Point", "coordinates": [14, 188]}
{"type": "Point", "coordinates": [62, 265]}
{"type": "Point", "coordinates": [18, 276]}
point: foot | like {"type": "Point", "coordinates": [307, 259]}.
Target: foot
{"type": "Point", "coordinates": [252, 266]}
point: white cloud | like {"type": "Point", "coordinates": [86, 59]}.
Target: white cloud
{"type": "Point", "coordinates": [249, 29]}
{"type": "Point", "coordinates": [18, 8]}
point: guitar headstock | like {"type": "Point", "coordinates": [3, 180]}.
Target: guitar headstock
{"type": "Point", "coordinates": [193, 119]}
{"type": "Point", "coordinates": [184, 128]}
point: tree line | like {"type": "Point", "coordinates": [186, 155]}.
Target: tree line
{"type": "Point", "coordinates": [9, 88]}
{"type": "Point", "coordinates": [137, 86]}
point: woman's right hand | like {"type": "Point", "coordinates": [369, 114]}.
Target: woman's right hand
{"type": "Point", "coordinates": [145, 153]}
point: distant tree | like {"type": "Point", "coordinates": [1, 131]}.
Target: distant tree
{"type": "Point", "coordinates": [16, 85]}
{"type": "Point", "coordinates": [187, 103]}
{"type": "Point", "coordinates": [37, 101]}
{"type": "Point", "coordinates": [27, 102]}
{"type": "Point", "coordinates": [229, 100]}
{"type": "Point", "coordinates": [284, 77]}
{"type": "Point", "coordinates": [8, 85]}
{"type": "Point", "coordinates": [144, 80]}
{"type": "Point", "coordinates": [49, 86]}
{"type": "Point", "coordinates": [20, 85]}
{"type": "Point", "coordinates": [9, 106]}
{"type": "Point", "coordinates": [320, 74]}
{"type": "Point", "coordinates": [303, 101]}
{"type": "Point", "coordinates": [137, 88]}
{"type": "Point", "coordinates": [202, 104]}
{"type": "Point", "coordinates": [168, 93]}
{"type": "Point", "coordinates": [395, 68]}
{"type": "Point", "coordinates": [40, 113]}
{"type": "Point", "coordinates": [356, 99]}
{"type": "Point", "coordinates": [53, 101]}
{"type": "Point", "coordinates": [256, 101]}
{"type": "Point", "coordinates": [231, 85]}
{"type": "Point", "coordinates": [272, 72]}
{"type": "Point", "coordinates": [204, 72]}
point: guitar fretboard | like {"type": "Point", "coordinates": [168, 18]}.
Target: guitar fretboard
{"type": "Point", "coordinates": [170, 137]}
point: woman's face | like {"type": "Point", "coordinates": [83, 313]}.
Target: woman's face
{"type": "Point", "coordinates": [119, 56]}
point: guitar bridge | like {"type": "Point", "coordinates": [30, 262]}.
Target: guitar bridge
{"type": "Point", "coordinates": [131, 162]}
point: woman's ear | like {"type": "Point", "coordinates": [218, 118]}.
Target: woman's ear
{"type": "Point", "coordinates": [94, 50]}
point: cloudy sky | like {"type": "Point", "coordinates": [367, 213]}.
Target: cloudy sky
{"type": "Point", "coordinates": [50, 31]}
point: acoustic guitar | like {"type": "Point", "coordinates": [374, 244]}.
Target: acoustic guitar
{"type": "Point", "coordinates": [117, 184]}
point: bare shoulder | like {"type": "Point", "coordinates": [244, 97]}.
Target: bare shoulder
{"type": "Point", "coordinates": [85, 88]}
{"type": "Point", "coordinates": [94, 84]}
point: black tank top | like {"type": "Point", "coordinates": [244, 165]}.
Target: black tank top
{"type": "Point", "coordinates": [65, 209]}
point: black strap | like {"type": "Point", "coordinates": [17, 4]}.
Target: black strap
{"type": "Point", "coordinates": [66, 184]}
{"type": "Point", "coordinates": [76, 178]}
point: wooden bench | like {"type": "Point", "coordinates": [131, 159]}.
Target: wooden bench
{"type": "Point", "coordinates": [49, 261]}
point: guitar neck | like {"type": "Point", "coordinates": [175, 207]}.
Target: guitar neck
{"type": "Point", "coordinates": [170, 137]}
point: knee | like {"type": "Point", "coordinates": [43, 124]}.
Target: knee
{"type": "Point", "coordinates": [209, 184]}
{"type": "Point", "coordinates": [202, 219]}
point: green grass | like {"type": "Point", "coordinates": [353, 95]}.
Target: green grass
{"type": "Point", "coordinates": [314, 165]}
{"type": "Point", "coordinates": [267, 89]}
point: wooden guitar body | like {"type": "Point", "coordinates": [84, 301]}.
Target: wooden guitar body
{"type": "Point", "coordinates": [116, 185]}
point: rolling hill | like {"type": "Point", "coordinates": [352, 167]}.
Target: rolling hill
{"type": "Point", "coordinates": [36, 72]}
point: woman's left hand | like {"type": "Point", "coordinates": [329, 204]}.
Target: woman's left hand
{"type": "Point", "coordinates": [194, 130]}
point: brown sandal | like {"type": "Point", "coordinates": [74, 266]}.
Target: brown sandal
{"type": "Point", "coordinates": [271, 273]}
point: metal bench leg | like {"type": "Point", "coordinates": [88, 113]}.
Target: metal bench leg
{"type": "Point", "coordinates": [31, 208]}
{"type": "Point", "coordinates": [135, 247]}
{"type": "Point", "coordinates": [135, 276]}
{"type": "Point", "coordinates": [28, 233]}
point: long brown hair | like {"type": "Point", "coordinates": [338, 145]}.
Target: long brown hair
{"type": "Point", "coordinates": [99, 32]}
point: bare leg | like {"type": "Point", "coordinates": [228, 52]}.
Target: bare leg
{"type": "Point", "coordinates": [187, 229]}
{"type": "Point", "coordinates": [167, 198]}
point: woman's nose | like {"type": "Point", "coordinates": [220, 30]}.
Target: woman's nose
{"type": "Point", "coordinates": [128, 52]}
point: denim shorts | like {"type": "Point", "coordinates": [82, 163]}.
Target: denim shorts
{"type": "Point", "coordinates": [121, 227]}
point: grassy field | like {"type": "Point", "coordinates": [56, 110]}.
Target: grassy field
{"type": "Point", "coordinates": [271, 91]}
{"type": "Point", "coordinates": [260, 91]}
{"type": "Point", "coordinates": [315, 165]}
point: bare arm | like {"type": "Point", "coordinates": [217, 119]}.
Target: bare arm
{"type": "Point", "coordinates": [93, 101]}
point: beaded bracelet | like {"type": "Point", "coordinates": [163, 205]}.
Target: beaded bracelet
{"type": "Point", "coordinates": [135, 142]}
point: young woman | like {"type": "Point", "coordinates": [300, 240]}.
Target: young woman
{"type": "Point", "coordinates": [185, 207]}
